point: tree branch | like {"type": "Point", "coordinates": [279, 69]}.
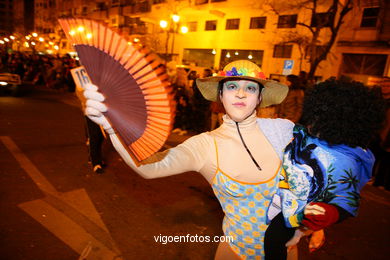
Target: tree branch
{"type": "Point", "coordinates": [306, 26]}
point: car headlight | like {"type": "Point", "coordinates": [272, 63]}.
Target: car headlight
{"type": "Point", "coordinates": [3, 83]}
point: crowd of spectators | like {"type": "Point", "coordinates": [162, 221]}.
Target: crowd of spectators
{"type": "Point", "coordinates": [50, 71]}
{"type": "Point", "coordinates": [195, 114]}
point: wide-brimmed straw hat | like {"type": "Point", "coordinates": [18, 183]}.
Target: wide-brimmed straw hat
{"type": "Point", "coordinates": [273, 93]}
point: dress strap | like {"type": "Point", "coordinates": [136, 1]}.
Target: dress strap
{"type": "Point", "coordinates": [216, 152]}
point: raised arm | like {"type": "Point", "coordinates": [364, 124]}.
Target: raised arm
{"type": "Point", "coordinates": [188, 156]}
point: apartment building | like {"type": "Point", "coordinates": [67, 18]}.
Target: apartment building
{"type": "Point", "coordinates": [363, 47]}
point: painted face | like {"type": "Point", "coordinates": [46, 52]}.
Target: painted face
{"type": "Point", "coordinates": [240, 98]}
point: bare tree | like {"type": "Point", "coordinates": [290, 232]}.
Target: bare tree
{"type": "Point", "coordinates": [331, 19]}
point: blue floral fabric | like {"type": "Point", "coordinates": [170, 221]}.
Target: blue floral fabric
{"type": "Point", "coordinates": [313, 170]}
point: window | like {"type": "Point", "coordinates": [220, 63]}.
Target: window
{"type": "Point", "coordinates": [366, 64]}
{"type": "Point", "coordinates": [141, 7]}
{"type": "Point", "coordinates": [287, 21]}
{"type": "Point", "coordinates": [200, 2]}
{"type": "Point", "coordinates": [317, 51]}
{"type": "Point", "coordinates": [229, 55]}
{"type": "Point", "coordinates": [258, 22]}
{"type": "Point", "coordinates": [232, 24]}
{"type": "Point", "coordinates": [101, 6]}
{"type": "Point", "coordinates": [199, 57]}
{"type": "Point", "coordinates": [192, 26]}
{"type": "Point", "coordinates": [282, 51]}
{"type": "Point", "coordinates": [370, 17]}
{"type": "Point", "coordinates": [211, 25]}
{"type": "Point", "coordinates": [321, 20]}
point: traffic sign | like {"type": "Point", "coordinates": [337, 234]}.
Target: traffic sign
{"type": "Point", "coordinates": [287, 67]}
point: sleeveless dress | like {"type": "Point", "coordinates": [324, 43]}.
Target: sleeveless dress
{"type": "Point", "coordinates": [245, 206]}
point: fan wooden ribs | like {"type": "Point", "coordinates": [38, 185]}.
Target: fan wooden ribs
{"type": "Point", "coordinates": [136, 88]}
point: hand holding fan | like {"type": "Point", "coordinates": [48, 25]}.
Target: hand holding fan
{"type": "Point", "coordinates": [135, 86]}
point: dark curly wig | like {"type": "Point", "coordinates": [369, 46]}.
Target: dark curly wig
{"type": "Point", "coordinates": [343, 112]}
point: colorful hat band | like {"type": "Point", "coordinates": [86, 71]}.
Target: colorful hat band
{"type": "Point", "coordinates": [243, 72]}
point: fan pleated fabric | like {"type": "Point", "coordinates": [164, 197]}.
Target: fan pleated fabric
{"type": "Point", "coordinates": [135, 85]}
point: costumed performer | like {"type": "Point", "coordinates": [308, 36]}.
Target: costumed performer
{"type": "Point", "coordinates": [241, 159]}
{"type": "Point", "coordinates": [327, 163]}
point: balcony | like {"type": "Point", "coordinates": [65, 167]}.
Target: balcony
{"type": "Point", "coordinates": [143, 7]}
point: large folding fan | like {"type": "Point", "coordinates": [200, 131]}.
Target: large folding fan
{"type": "Point", "coordinates": [135, 86]}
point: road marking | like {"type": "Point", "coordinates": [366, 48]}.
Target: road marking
{"type": "Point", "coordinates": [71, 216]}
{"type": "Point", "coordinates": [40, 180]}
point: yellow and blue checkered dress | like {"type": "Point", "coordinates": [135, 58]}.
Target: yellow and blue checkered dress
{"type": "Point", "coordinates": [245, 206]}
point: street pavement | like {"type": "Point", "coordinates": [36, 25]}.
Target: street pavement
{"type": "Point", "coordinates": [54, 207]}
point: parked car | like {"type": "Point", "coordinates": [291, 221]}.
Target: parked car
{"type": "Point", "coordinates": [10, 84]}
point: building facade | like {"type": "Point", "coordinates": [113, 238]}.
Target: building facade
{"type": "Point", "coordinates": [272, 34]}
{"type": "Point", "coordinates": [6, 14]}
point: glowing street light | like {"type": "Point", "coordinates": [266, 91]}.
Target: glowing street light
{"type": "Point", "coordinates": [2, 42]}
{"type": "Point", "coordinates": [41, 39]}
{"type": "Point", "coordinates": [6, 39]}
{"type": "Point", "coordinates": [184, 29]}
{"type": "Point", "coordinates": [27, 37]}
{"type": "Point", "coordinates": [56, 47]}
{"type": "Point", "coordinates": [163, 24]}
{"type": "Point", "coordinates": [175, 18]}
{"type": "Point", "coordinates": [12, 37]}
{"type": "Point", "coordinates": [34, 34]}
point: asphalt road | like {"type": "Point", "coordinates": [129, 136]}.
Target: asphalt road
{"type": "Point", "coordinates": [54, 207]}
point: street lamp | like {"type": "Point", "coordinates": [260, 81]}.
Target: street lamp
{"type": "Point", "coordinates": [175, 18]}
{"type": "Point", "coordinates": [163, 24]}
{"type": "Point", "coordinates": [172, 26]}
